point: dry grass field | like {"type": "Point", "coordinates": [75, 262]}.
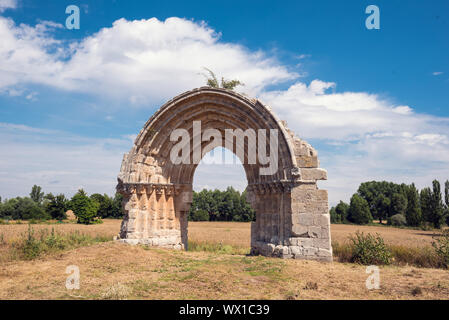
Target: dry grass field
{"type": "Point", "coordinates": [111, 270]}
{"type": "Point", "coordinates": [233, 233]}
{"type": "Point", "coordinates": [237, 233]}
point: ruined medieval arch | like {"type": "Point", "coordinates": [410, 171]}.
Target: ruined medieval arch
{"type": "Point", "coordinates": [292, 217]}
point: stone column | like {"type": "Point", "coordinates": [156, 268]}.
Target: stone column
{"type": "Point", "coordinates": [303, 221]}
{"type": "Point", "coordinates": [155, 214]}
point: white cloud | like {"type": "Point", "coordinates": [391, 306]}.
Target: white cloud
{"type": "Point", "coordinates": [367, 138]}
{"type": "Point", "coordinates": [346, 116]}
{"type": "Point", "coordinates": [7, 4]}
{"type": "Point", "coordinates": [135, 60]}
{"type": "Point", "coordinates": [437, 73]}
{"type": "Point", "coordinates": [360, 136]}
{"type": "Point", "coordinates": [24, 54]}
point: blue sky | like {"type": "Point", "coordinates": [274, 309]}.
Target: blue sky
{"type": "Point", "coordinates": [374, 103]}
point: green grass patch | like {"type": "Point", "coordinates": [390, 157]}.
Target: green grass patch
{"type": "Point", "coordinates": [215, 247]}
{"type": "Point", "coordinates": [263, 266]}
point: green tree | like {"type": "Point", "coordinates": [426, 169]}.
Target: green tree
{"type": "Point", "coordinates": [379, 196]}
{"type": "Point", "coordinates": [446, 200]}
{"type": "Point", "coordinates": [340, 213]}
{"type": "Point", "coordinates": [8, 208]}
{"type": "Point", "coordinates": [333, 215]}
{"type": "Point", "coordinates": [398, 203]}
{"type": "Point", "coordinates": [359, 212]}
{"type": "Point", "coordinates": [425, 199]}
{"type": "Point", "coordinates": [84, 208]}
{"type": "Point", "coordinates": [446, 193]}
{"type": "Point", "coordinates": [56, 206]}
{"type": "Point", "coordinates": [227, 205]}
{"type": "Point", "coordinates": [247, 213]}
{"type": "Point", "coordinates": [200, 215]}
{"type": "Point", "coordinates": [117, 207]}
{"type": "Point", "coordinates": [381, 207]}
{"type": "Point", "coordinates": [105, 205]}
{"type": "Point", "coordinates": [437, 212]}
{"type": "Point", "coordinates": [25, 208]}
{"type": "Point", "coordinates": [36, 194]}
{"type": "Point", "coordinates": [413, 212]}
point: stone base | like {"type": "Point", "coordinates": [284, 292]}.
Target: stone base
{"type": "Point", "coordinates": [292, 251]}
{"type": "Point", "coordinates": [161, 242]}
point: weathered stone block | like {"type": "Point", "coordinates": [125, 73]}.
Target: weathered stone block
{"type": "Point", "coordinates": [307, 161]}
{"type": "Point", "coordinates": [304, 219]}
{"type": "Point", "coordinates": [321, 219]}
{"type": "Point", "coordinates": [310, 251]}
{"type": "Point", "coordinates": [313, 174]}
{"type": "Point", "coordinates": [300, 231]}
{"type": "Point", "coordinates": [324, 253]}
{"type": "Point", "coordinates": [322, 244]}
{"type": "Point", "coordinates": [305, 242]}
{"type": "Point", "coordinates": [325, 232]}
{"type": "Point", "coordinates": [314, 232]}
{"type": "Point", "coordinates": [295, 250]}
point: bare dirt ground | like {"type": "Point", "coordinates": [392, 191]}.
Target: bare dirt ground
{"type": "Point", "coordinates": [117, 271]}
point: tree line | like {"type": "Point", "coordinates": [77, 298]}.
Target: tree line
{"type": "Point", "coordinates": [398, 204]}
{"type": "Point", "coordinates": [41, 206]}
{"type": "Point", "coordinates": [216, 205]}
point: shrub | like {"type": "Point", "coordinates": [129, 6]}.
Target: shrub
{"type": "Point", "coordinates": [441, 246]}
{"type": "Point", "coordinates": [369, 249]}
{"type": "Point", "coordinates": [29, 246]}
{"type": "Point", "coordinates": [397, 220]}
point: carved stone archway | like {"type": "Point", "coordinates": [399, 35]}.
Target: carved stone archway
{"type": "Point", "coordinates": [292, 218]}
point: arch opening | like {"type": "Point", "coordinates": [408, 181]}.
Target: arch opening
{"type": "Point", "coordinates": [219, 213]}
{"type": "Point", "coordinates": [220, 169]}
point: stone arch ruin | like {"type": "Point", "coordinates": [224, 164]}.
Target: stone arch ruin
{"type": "Point", "coordinates": [292, 217]}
